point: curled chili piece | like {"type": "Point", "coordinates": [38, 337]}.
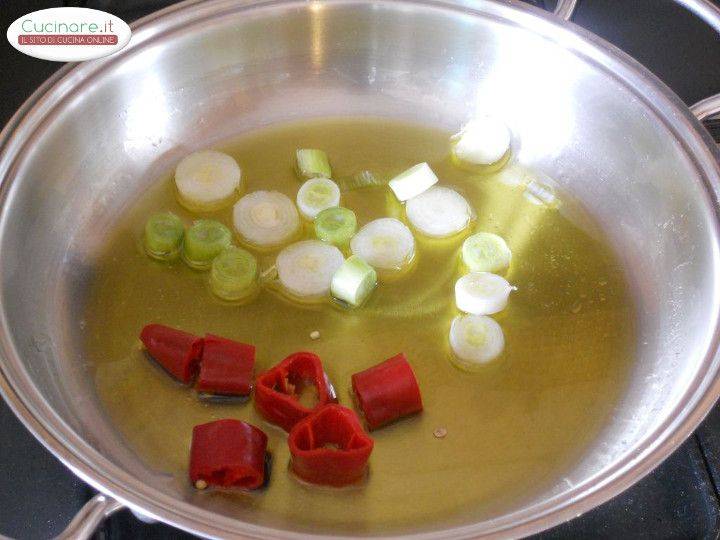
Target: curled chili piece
{"type": "Point", "coordinates": [278, 392]}
{"type": "Point", "coordinates": [228, 453]}
{"type": "Point", "coordinates": [226, 367]}
{"type": "Point", "coordinates": [177, 351]}
{"type": "Point", "coordinates": [329, 447]}
{"type": "Point", "coordinates": [387, 391]}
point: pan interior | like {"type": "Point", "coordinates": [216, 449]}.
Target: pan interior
{"type": "Point", "coordinates": [513, 428]}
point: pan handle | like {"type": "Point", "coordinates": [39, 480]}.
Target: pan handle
{"type": "Point", "coordinates": [706, 10]}
{"type": "Point", "coordinates": [707, 108]}
{"type": "Point", "coordinates": [565, 8]}
{"type": "Point", "coordinates": [90, 516]}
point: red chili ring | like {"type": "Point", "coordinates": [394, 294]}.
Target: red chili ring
{"type": "Point", "coordinates": [177, 351]}
{"type": "Point", "coordinates": [228, 453]}
{"type": "Point", "coordinates": [226, 367]}
{"type": "Point", "coordinates": [330, 447]}
{"type": "Point", "coordinates": [387, 391]}
{"type": "Point", "coordinates": [277, 390]}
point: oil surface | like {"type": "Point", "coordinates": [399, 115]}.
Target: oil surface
{"type": "Point", "coordinates": [512, 428]}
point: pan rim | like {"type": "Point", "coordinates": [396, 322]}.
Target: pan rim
{"type": "Point", "coordinates": [29, 405]}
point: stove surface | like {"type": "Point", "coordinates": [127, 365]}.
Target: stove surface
{"type": "Point", "coordinates": [678, 500]}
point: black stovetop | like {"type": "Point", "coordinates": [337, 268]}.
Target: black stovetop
{"type": "Point", "coordinates": [680, 499]}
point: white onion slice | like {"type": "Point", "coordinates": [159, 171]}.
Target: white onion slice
{"type": "Point", "coordinates": [207, 180]}
{"type": "Point", "coordinates": [476, 339]}
{"type": "Point", "coordinates": [483, 141]}
{"type": "Point", "coordinates": [305, 269]}
{"type": "Point", "coordinates": [439, 212]}
{"type": "Point", "coordinates": [486, 252]}
{"type": "Point", "coordinates": [482, 293]}
{"type": "Point", "coordinates": [316, 195]}
{"type": "Point", "coordinates": [385, 244]}
{"type": "Point", "coordinates": [413, 182]}
{"type": "Point", "coordinates": [266, 218]}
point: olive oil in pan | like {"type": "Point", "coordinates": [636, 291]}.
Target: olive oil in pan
{"type": "Point", "coordinates": [511, 429]}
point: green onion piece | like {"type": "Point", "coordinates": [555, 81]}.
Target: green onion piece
{"type": "Point", "coordinates": [163, 236]}
{"type": "Point", "coordinates": [413, 182]}
{"type": "Point", "coordinates": [483, 145]}
{"type": "Point", "coordinates": [204, 241]}
{"type": "Point", "coordinates": [353, 281]}
{"type": "Point", "coordinates": [363, 179]}
{"type": "Point", "coordinates": [234, 274]}
{"type": "Point", "coordinates": [312, 163]}
{"type": "Point", "coordinates": [486, 252]}
{"type": "Point", "coordinates": [475, 340]}
{"type": "Point", "coordinates": [269, 275]}
{"type": "Point", "coordinates": [336, 225]}
{"type": "Point", "coordinates": [305, 269]}
{"type": "Point", "coordinates": [315, 195]}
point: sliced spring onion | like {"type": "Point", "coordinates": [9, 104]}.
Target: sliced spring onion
{"type": "Point", "coordinates": [207, 180]}
{"type": "Point", "coordinates": [541, 194]}
{"type": "Point", "coordinates": [486, 252]}
{"type": "Point", "coordinates": [312, 163]}
{"type": "Point", "coordinates": [361, 180]}
{"type": "Point", "coordinates": [393, 207]}
{"type": "Point", "coordinates": [234, 274]}
{"type": "Point", "coordinates": [413, 182]}
{"type": "Point", "coordinates": [483, 141]}
{"type": "Point", "coordinates": [439, 212]}
{"type": "Point", "coordinates": [163, 236]}
{"type": "Point", "coordinates": [266, 218]}
{"type": "Point", "coordinates": [384, 243]}
{"type": "Point", "coordinates": [316, 195]}
{"type": "Point", "coordinates": [204, 240]}
{"type": "Point", "coordinates": [514, 175]}
{"type": "Point", "coordinates": [305, 269]}
{"type": "Point", "coordinates": [336, 225]}
{"type": "Point", "coordinates": [475, 340]}
{"type": "Point", "coordinates": [482, 293]}
{"type": "Point", "coordinates": [269, 274]}
{"type": "Point", "coordinates": [354, 281]}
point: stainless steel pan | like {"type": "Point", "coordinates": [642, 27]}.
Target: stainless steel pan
{"type": "Point", "coordinates": [607, 130]}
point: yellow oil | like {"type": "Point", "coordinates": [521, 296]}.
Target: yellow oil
{"type": "Point", "coordinates": [512, 428]}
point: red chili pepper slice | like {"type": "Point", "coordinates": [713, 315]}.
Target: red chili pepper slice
{"type": "Point", "coordinates": [330, 447]}
{"type": "Point", "coordinates": [278, 391]}
{"type": "Point", "coordinates": [177, 351]}
{"type": "Point", "coordinates": [387, 391]}
{"type": "Point", "coordinates": [226, 367]}
{"type": "Point", "coordinates": [228, 453]}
